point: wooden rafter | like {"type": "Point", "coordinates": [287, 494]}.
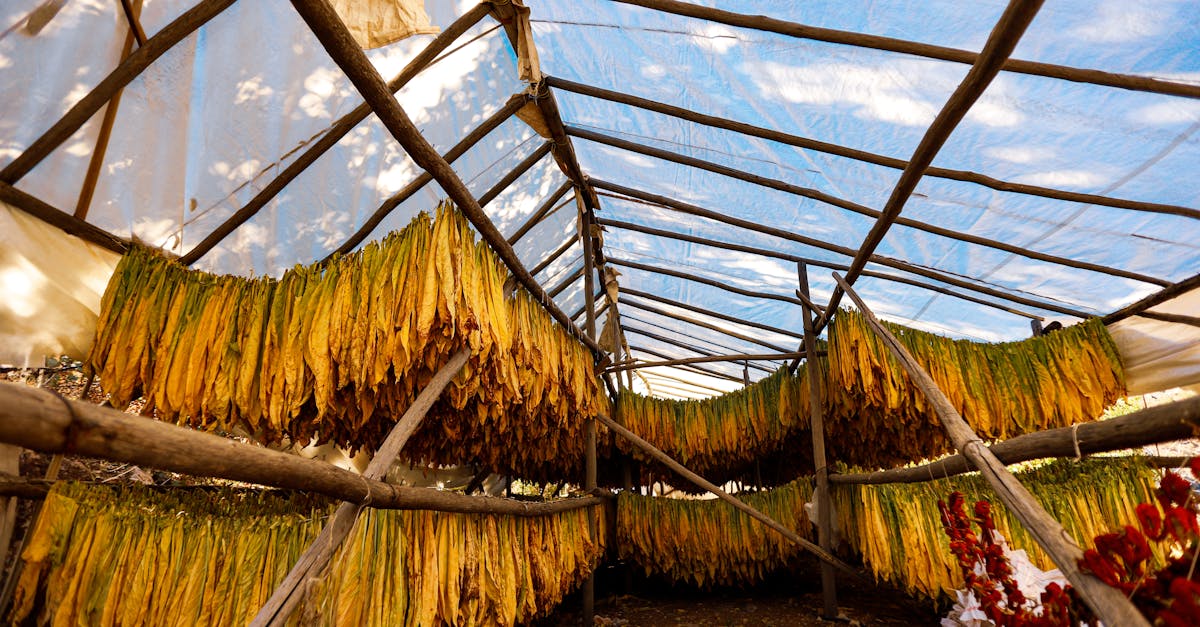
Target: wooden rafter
{"type": "Point", "coordinates": [1000, 43]}
{"type": "Point", "coordinates": [516, 173]}
{"type": "Point", "coordinates": [854, 207]}
{"type": "Point", "coordinates": [61, 219]}
{"type": "Point", "coordinates": [692, 367]}
{"type": "Point", "coordinates": [710, 313]}
{"type": "Point", "coordinates": [541, 213]}
{"type": "Point", "coordinates": [1154, 299]}
{"type": "Point", "coordinates": [704, 360]}
{"type": "Point", "coordinates": [684, 345]}
{"type": "Point", "coordinates": [341, 128]}
{"type": "Point", "coordinates": [705, 280]}
{"type": "Point", "coordinates": [558, 252]}
{"type": "Point", "coordinates": [683, 237]}
{"type": "Point", "coordinates": [345, 51]}
{"type": "Point", "coordinates": [700, 323]}
{"type": "Point", "coordinates": [129, 69]}
{"type": "Point", "coordinates": [890, 44]}
{"type": "Point", "coordinates": [937, 275]}
{"type": "Point", "coordinates": [865, 156]}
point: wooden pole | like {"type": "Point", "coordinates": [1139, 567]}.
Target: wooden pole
{"type": "Point", "coordinates": [791, 29]}
{"type": "Point", "coordinates": [684, 345]}
{"type": "Point", "coordinates": [862, 155]}
{"type": "Point", "coordinates": [1170, 317]}
{"type": "Point", "coordinates": [1000, 43]}
{"type": "Point", "coordinates": [61, 219]}
{"type": "Point", "coordinates": [341, 128]}
{"type": "Point", "coordinates": [704, 312]}
{"type": "Point", "coordinates": [565, 283]}
{"type": "Point", "coordinates": [131, 16]}
{"type": "Point", "coordinates": [699, 279]}
{"type": "Point", "coordinates": [39, 420]}
{"type": "Point", "coordinates": [466, 143]}
{"type": "Point", "coordinates": [96, 161]}
{"type": "Point", "coordinates": [936, 275]}
{"type": "Point", "coordinates": [699, 323]}
{"type": "Point", "coordinates": [171, 34]}
{"type": "Point", "coordinates": [665, 459]}
{"type": "Point", "coordinates": [520, 169]}
{"type": "Point", "coordinates": [1155, 425]}
{"type": "Point", "coordinates": [1154, 299]}
{"type": "Point", "coordinates": [841, 203]}
{"type": "Point", "coordinates": [548, 207]}
{"type": "Point", "coordinates": [558, 252]}
{"type": "Point", "coordinates": [1109, 604]}
{"type": "Point", "coordinates": [345, 51]}
{"type": "Point", "coordinates": [584, 228]}
{"type": "Point", "coordinates": [311, 564]}
{"type": "Point", "coordinates": [694, 368]}
{"type": "Point", "coordinates": [816, 417]}
{"type": "Point", "coordinates": [812, 262]}
{"type": "Point", "coordinates": [659, 375]}
{"type": "Point", "coordinates": [703, 360]}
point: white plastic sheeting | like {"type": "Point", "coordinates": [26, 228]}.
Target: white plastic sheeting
{"type": "Point", "coordinates": [218, 116]}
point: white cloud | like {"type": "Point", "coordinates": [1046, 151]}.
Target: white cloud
{"type": "Point", "coordinates": [715, 38]}
{"type": "Point", "coordinates": [1019, 154]}
{"type": "Point", "coordinates": [1175, 111]}
{"type": "Point", "coordinates": [1119, 21]}
{"type": "Point", "coordinates": [1064, 178]}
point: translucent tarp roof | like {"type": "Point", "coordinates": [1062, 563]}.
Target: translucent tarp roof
{"type": "Point", "coordinates": [217, 117]}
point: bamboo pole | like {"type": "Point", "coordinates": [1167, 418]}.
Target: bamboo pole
{"type": "Point", "coordinates": [691, 367]}
{"type": "Point", "coordinates": [340, 45]}
{"type": "Point", "coordinates": [699, 279]}
{"type": "Point", "coordinates": [1156, 425]}
{"type": "Point", "coordinates": [662, 457]}
{"type": "Point", "coordinates": [171, 34]}
{"type": "Point", "coordinates": [703, 360]}
{"type": "Point", "coordinates": [683, 345]}
{"type": "Point", "coordinates": [791, 29]}
{"type": "Point", "coordinates": [311, 564]}
{"type": "Point", "coordinates": [816, 413]}
{"type": "Point", "coordinates": [58, 218]}
{"type": "Point", "coordinates": [937, 275]}
{"type": "Point", "coordinates": [96, 161]}
{"type": "Point", "coordinates": [1109, 604]}
{"type": "Point", "coordinates": [701, 323]}
{"type": "Point", "coordinates": [44, 422]}
{"type": "Point", "coordinates": [841, 203]}
{"type": "Point", "coordinates": [548, 207]}
{"type": "Point", "coordinates": [865, 156]}
{"type": "Point", "coordinates": [1000, 43]}
{"type": "Point", "coordinates": [340, 129]}
{"type": "Point", "coordinates": [813, 262]}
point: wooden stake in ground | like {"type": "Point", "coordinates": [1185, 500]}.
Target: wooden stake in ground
{"type": "Point", "coordinates": [310, 565]}
{"type": "Point", "coordinates": [1107, 602]}
{"type": "Point", "coordinates": [650, 449]}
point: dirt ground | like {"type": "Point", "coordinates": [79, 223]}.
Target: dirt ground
{"type": "Point", "coordinates": [785, 600]}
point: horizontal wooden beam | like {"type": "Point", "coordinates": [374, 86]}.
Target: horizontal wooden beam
{"type": "Point", "coordinates": [700, 323]}
{"type": "Point", "coordinates": [865, 156]}
{"type": "Point", "coordinates": [684, 345]}
{"type": "Point", "coordinates": [565, 283]}
{"type": "Point", "coordinates": [133, 65]}
{"type": "Point", "coordinates": [42, 421]}
{"type": "Point", "coordinates": [659, 375]}
{"type": "Point", "coordinates": [1156, 425]}
{"type": "Point", "coordinates": [897, 264]}
{"type": "Point", "coordinates": [705, 360]}
{"type": "Point", "coordinates": [1171, 317]}
{"type": "Point", "coordinates": [692, 367]}
{"type": "Point", "coordinates": [710, 313]}
{"type": "Point", "coordinates": [841, 203]}
{"type": "Point", "coordinates": [943, 53]}
{"type": "Point", "coordinates": [813, 262]}
{"type": "Point", "coordinates": [699, 279]}
{"type": "Point", "coordinates": [54, 216]}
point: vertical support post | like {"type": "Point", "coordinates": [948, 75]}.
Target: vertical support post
{"type": "Point", "coordinates": [1036, 325]}
{"type": "Point", "coordinates": [589, 481]}
{"type": "Point", "coordinates": [817, 427]}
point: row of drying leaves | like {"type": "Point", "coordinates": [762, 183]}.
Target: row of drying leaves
{"type": "Point", "coordinates": [1169, 596]}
